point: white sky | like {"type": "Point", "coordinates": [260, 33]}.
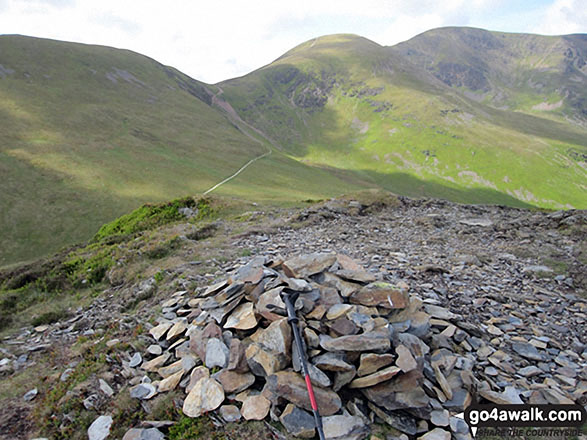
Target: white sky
{"type": "Point", "coordinates": [216, 40]}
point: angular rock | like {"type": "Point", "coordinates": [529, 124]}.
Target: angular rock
{"type": "Point", "coordinates": [338, 310]}
{"type": "Point", "coordinates": [199, 338]}
{"type": "Point", "coordinates": [143, 391]}
{"type": "Point", "coordinates": [105, 388]}
{"type": "Point", "coordinates": [170, 383]}
{"type": "Point", "coordinates": [292, 387]}
{"type": "Point", "coordinates": [371, 341]}
{"type": "Point", "coordinates": [30, 395]}
{"type": "Point", "coordinates": [402, 392]}
{"type": "Point", "coordinates": [170, 369]}
{"type": "Point", "coordinates": [509, 397]}
{"type": "Point", "coordinates": [156, 363]}
{"type": "Point", "coordinates": [375, 378]}
{"type": "Point", "coordinates": [441, 379]}
{"type": "Point", "coordinates": [237, 360]}
{"type": "Point", "coordinates": [345, 288]}
{"type": "Point", "coordinates": [298, 422]}
{"type": "Point", "coordinates": [396, 419]}
{"type": "Point", "coordinates": [255, 407]}
{"type": "Point", "coordinates": [439, 312]}
{"type": "Point", "coordinates": [243, 317]}
{"type": "Point", "coordinates": [263, 362]}
{"type": "Point", "coordinates": [217, 353]}
{"type": "Point", "coordinates": [405, 361]}
{"type": "Point", "coordinates": [318, 377]}
{"type": "Point", "coordinates": [371, 362]}
{"type": "Point", "coordinates": [276, 338]}
{"type": "Point", "coordinates": [100, 428]}
{"type": "Point", "coordinates": [230, 413]}
{"type": "Point", "coordinates": [207, 395]}
{"type": "Point", "coordinates": [381, 294]}
{"type": "Point", "coordinates": [159, 331]}
{"type": "Point", "coordinates": [343, 327]}
{"type": "Point", "coordinates": [143, 434]}
{"type": "Point", "coordinates": [177, 330]}
{"type": "Point", "coordinates": [343, 378]}
{"type": "Point", "coordinates": [344, 427]}
{"type": "Point", "coordinates": [527, 351]}
{"type": "Point", "coordinates": [530, 371]}
{"type": "Point", "coordinates": [332, 362]}
{"type": "Point", "coordinates": [306, 265]}
{"type": "Point", "coordinates": [234, 382]}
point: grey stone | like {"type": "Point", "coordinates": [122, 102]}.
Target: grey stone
{"type": "Point", "coordinates": [217, 353]}
{"type": "Point", "coordinates": [298, 422]}
{"type": "Point", "coordinates": [135, 360]}
{"type": "Point", "coordinates": [30, 395]}
{"type": "Point", "coordinates": [143, 391]}
{"type": "Point", "coordinates": [527, 351]}
{"type": "Point", "coordinates": [230, 413]}
{"type": "Point", "coordinates": [344, 427]}
{"type": "Point", "coordinates": [154, 349]}
{"type": "Point", "coordinates": [105, 388]}
{"type": "Point", "coordinates": [371, 341]}
{"type": "Point", "coordinates": [440, 417]}
{"type": "Point", "coordinates": [100, 428]}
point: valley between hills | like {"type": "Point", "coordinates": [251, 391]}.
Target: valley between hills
{"type": "Point", "coordinates": [89, 133]}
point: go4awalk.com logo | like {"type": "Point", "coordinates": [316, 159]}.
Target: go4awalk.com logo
{"type": "Point", "coordinates": [525, 420]}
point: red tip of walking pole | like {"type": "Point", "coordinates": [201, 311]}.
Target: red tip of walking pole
{"type": "Point", "coordinates": [311, 393]}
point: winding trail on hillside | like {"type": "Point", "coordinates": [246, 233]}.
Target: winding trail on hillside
{"type": "Point", "coordinates": [239, 122]}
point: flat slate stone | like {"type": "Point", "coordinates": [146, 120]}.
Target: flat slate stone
{"type": "Point", "coordinates": [243, 317]}
{"type": "Point", "coordinates": [298, 422]}
{"type": "Point", "coordinates": [381, 294]}
{"type": "Point", "coordinates": [306, 265]}
{"type": "Point", "coordinates": [362, 342]}
{"type": "Point", "coordinates": [344, 427]}
{"type": "Point", "coordinates": [371, 362]}
{"type": "Point", "coordinates": [292, 387]}
{"type": "Point", "coordinates": [375, 378]}
{"type": "Point", "coordinates": [159, 331]}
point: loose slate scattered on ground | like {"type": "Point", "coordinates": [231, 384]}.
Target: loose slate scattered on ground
{"type": "Point", "coordinates": [376, 353]}
{"type": "Point", "coordinates": [497, 299]}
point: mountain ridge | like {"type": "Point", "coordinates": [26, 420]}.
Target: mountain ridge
{"type": "Point", "coordinates": [90, 132]}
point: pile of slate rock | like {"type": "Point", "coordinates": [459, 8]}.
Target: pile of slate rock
{"type": "Point", "coordinates": [376, 353]}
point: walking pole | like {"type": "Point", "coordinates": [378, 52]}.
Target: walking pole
{"type": "Point", "coordinates": [289, 298]}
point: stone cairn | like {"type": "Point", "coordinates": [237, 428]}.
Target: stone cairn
{"type": "Point", "coordinates": [375, 353]}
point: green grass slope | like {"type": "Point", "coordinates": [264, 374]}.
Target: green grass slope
{"type": "Point", "coordinates": [88, 133]}
{"type": "Point", "coordinates": [445, 114]}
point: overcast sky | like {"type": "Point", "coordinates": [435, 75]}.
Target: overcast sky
{"type": "Point", "coordinates": [216, 40]}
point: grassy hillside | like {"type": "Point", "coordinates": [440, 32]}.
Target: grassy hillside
{"type": "Point", "coordinates": [88, 133]}
{"type": "Point", "coordinates": [395, 115]}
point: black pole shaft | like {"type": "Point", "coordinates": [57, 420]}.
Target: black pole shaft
{"type": "Point", "coordinates": [289, 298]}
